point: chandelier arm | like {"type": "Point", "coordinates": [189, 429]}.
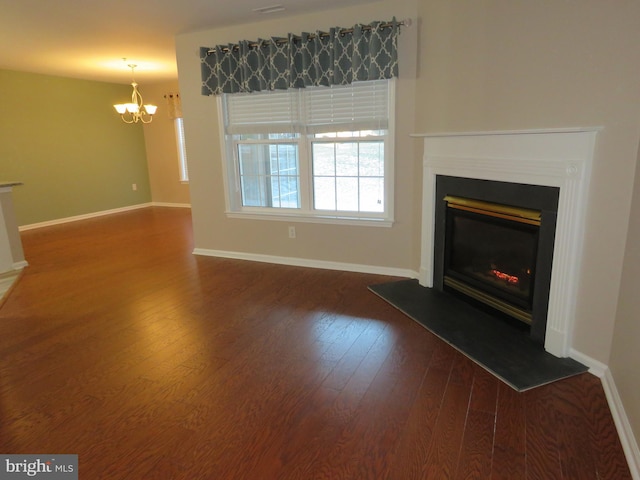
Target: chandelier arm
{"type": "Point", "coordinates": [135, 95]}
{"type": "Point", "coordinates": [124, 119]}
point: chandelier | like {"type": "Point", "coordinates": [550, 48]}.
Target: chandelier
{"type": "Point", "coordinates": [135, 111]}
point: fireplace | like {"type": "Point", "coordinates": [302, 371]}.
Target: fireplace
{"type": "Point", "coordinates": [494, 245]}
{"type": "Point", "coordinates": [491, 255]}
{"type": "Point", "coordinates": [559, 159]}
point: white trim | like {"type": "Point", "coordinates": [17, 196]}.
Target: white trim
{"type": "Point", "coordinates": [595, 367]}
{"type": "Point", "coordinates": [171, 205]}
{"type": "Point", "coordinates": [283, 217]}
{"type": "Point", "coordinates": [20, 265]}
{"type": "Point", "coordinates": [60, 221]}
{"type": "Point", "coordinates": [304, 262]}
{"type": "Point", "coordinates": [553, 157]}
{"type": "Point", "coordinates": [507, 132]}
{"type": "Point", "coordinates": [627, 438]}
{"type": "Point", "coordinates": [85, 216]}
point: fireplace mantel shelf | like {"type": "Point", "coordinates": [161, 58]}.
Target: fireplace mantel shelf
{"type": "Point", "coordinates": [506, 132]}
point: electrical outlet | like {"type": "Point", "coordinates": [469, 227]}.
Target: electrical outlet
{"type": "Point", "coordinates": [134, 187]}
{"type": "Point", "coordinates": [292, 232]}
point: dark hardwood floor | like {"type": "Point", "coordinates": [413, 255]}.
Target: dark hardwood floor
{"type": "Point", "coordinates": [119, 345]}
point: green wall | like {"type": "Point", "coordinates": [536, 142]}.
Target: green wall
{"type": "Point", "coordinates": [62, 138]}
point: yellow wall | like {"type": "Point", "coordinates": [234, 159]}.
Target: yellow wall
{"type": "Point", "coordinates": [160, 141]}
{"type": "Point", "coordinates": [62, 138]}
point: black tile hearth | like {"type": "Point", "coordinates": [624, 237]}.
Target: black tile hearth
{"type": "Point", "coordinates": [507, 352]}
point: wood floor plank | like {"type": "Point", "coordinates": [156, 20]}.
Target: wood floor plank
{"type": "Point", "coordinates": [542, 454]}
{"type": "Point", "coordinates": [509, 449]}
{"type": "Point", "coordinates": [413, 446]}
{"type": "Point", "coordinates": [120, 345]}
{"type": "Point", "coordinates": [444, 449]}
{"type": "Point", "coordinates": [478, 441]}
{"type": "Point", "coordinates": [477, 446]}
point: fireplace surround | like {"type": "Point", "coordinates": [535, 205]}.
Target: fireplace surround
{"type": "Point", "coordinates": [559, 158]}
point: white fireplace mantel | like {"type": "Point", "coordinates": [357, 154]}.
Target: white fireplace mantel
{"type": "Point", "coordinates": [557, 158]}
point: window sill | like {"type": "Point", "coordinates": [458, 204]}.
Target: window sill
{"type": "Point", "coordinates": [335, 220]}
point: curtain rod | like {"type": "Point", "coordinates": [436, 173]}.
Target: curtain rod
{"type": "Point", "coordinates": [311, 36]}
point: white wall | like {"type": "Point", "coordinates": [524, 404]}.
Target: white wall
{"type": "Point", "coordinates": [505, 65]}
{"type": "Point", "coordinates": [625, 354]}
{"type": "Point", "coordinates": [396, 247]}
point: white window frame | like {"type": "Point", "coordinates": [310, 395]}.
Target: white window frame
{"type": "Point", "coordinates": [233, 200]}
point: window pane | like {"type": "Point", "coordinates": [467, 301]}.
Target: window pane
{"type": "Point", "coordinates": [253, 191]}
{"type": "Point", "coordinates": [280, 136]}
{"type": "Point", "coordinates": [372, 194]}
{"type": "Point", "coordinates": [324, 193]}
{"type": "Point", "coordinates": [253, 159]}
{"type": "Point", "coordinates": [357, 182]}
{"type": "Point", "coordinates": [269, 175]}
{"type": "Point", "coordinates": [324, 161]}
{"type": "Point", "coordinates": [265, 136]}
{"type": "Point", "coordinates": [347, 159]}
{"type": "Point", "coordinates": [347, 193]}
{"type": "Point", "coordinates": [371, 159]}
{"type": "Point", "coordinates": [289, 188]}
{"type": "Point", "coordinates": [284, 159]}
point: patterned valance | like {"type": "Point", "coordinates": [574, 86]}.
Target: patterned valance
{"type": "Point", "coordinates": [337, 57]}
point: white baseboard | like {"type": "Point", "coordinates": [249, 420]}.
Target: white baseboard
{"type": "Point", "coordinates": [173, 205]}
{"type": "Point", "coordinates": [595, 367]}
{"type": "Point", "coordinates": [309, 263]}
{"type": "Point", "coordinates": [625, 432]}
{"type": "Point", "coordinates": [627, 438]}
{"type": "Point", "coordinates": [86, 216]}
{"type": "Point", "coordinates": [20, 265]}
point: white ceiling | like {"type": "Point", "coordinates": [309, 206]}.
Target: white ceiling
{"type": "Point", "coordinates": [89, 38]}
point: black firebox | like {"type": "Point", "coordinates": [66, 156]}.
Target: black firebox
{"type": "Point", "coordinates": [494, 245]}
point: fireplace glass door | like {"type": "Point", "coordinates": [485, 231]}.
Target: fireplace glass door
{"type": "Point", "coordinates": [490, 254]}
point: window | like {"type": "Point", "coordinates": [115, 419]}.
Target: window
{"type": "Point", "coordinates": [182, 151]}
{"type": "Point", "coordinates": [320, 154]}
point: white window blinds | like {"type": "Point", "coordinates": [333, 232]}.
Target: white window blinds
{"type": "Point", "coordinates": [359, 106]}
{"type": "Point", "coordinates": [263, 112]}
